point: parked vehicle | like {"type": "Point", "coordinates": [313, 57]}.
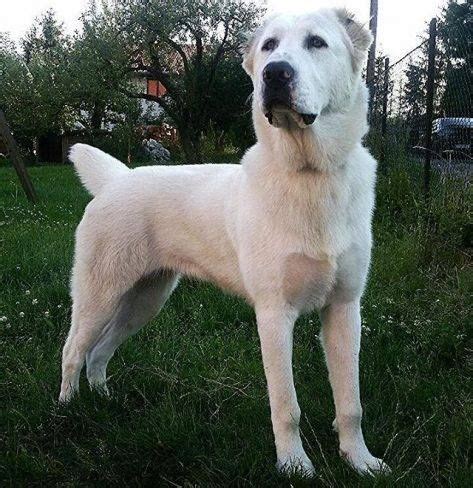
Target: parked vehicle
{"type": "Point", "coordinates": [453, 135]}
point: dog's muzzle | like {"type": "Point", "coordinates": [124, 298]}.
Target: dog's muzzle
{"type": "Point", "coordinates": [278, 80]}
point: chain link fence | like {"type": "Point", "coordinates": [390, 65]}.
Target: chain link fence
{"type": "Point", "coordinates": [421, 104]}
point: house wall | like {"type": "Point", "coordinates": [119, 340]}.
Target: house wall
{"type": "Point", "coordinates": [149, 110]}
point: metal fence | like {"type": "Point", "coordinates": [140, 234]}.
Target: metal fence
{"type": "Point", "coordinates": [421, 106]}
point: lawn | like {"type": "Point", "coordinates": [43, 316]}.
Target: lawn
{"type": "Point", "coordinates": [189, 405]}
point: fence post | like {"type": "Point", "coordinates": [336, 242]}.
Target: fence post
{"type": "Point", "coordinates": [16, 159]}
{"type": "Point", "coordinates": [382, 157]}
{"type": "Point", "coordinates": [370, 67]}
{"type": "Point", "coordinates": [430, 104]}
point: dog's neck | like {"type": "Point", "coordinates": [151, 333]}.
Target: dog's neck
{"type": "Point", "coordinates": [325, 145]}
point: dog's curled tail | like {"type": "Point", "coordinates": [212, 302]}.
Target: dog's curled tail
{"type": "Point", "coordinates": [94, 167]}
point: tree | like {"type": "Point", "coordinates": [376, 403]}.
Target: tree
{"type": "Point", "coordinates": [87, 79]}
{"type": "Point", "coordinates": [229, 105]}
{"type": "Point", "coordinates": [45, 37]}
{"type": "Point", "coordinates": [456, 51]}
{"type": "Point", "coordinates": [414, 92]}
{"type": "Point", "coordinates": [6, 44]}
{"type": "Point", "coordinates": [61, 81]}
{"type": "Point", "coordinates": [453, 75]}
{"type": "Point", "coordinates": [181, 44]}
{"type": "Point", "coordinates": [376, 86]}
{"type": "Point", "coordinates": [413, 99]}
{"type": "Point", "coordinates": [17, 96]}
{"type": "Point", "coordinates": [93, 96]}
{"type": "Point", "coordinates": [32, 82]}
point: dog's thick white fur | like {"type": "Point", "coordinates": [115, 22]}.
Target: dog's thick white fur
{"type": "Point", "coordinates": [289, 229]}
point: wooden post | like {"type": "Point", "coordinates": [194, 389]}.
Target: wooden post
{"type": "Point", "coordinates": [382, 157]}
{"type": "Point", "coordinates": [370, 68]}
{"type": "Point", "coordinates": [16, 159]}
{"type": "Point", "coordinates": [429, 114]}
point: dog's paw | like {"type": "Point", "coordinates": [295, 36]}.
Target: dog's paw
{"type": "Point", "coordinates": [66, 397]}
{"type": "Point", "coordinates": [364, 463]}
{"type": "Point", "coordinates": [101, 389]}
{"type": "Point", "coordinates": [66, 394]}
{"type": "Point", "coordinates": [299, 465]}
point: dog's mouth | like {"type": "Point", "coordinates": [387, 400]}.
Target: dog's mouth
{"type": "Point", "coordinates": [282, 116]}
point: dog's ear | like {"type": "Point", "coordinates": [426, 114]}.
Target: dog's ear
{"type": "Point", "coordinates": [360, 37]}
{"type": "Point", "coordinates": [250, 43]}
{"type": "Point", "coordinates": [248, 49]}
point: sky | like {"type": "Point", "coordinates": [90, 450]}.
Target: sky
{"type": "Point", "coordinates": [400, 22]}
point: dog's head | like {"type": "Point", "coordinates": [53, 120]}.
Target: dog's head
{"type": "Point", "coordinates": [306, 65]}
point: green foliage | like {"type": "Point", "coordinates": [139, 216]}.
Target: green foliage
{"type": "Point", "coordinates": [34, 87]}
{"type": "Point", "coordinates": [453, 73]}
{"type": "Point", "coordinates": [182, 44]}
{"type": "Point", "coordinates": [456, 50]}
{"type": "Point", "coordinates": [16, 96]}
{"type": "Point", "coordinates": [45, 39]}
{"type": "Point", "coordinates": [93, 95]}
{"type": "Point", "coordinates": [59, 84]}
{"type": "Point", "coordinates": [87, 81]}
{"type": "Point", "coordinates": [229, 105]}
{"type": "Point", "coordinates": [407, 93]}
{"type": "Point", "coordinates": [414, 93]}
{"type": "Point", "coordinates": [376, 87]}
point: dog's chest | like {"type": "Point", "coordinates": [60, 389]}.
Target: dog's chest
{"type": "Point", "coordinates": [326, 263]}
{"type": "Point", "coordinates": [318, 227]}
{"type": "Point", "coordinates": [310, 283]}
{"type": "Point", "coordinates": [307, 281]}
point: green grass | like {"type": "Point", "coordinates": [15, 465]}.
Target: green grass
{"type": "Point", "coordinates": [189, 405]}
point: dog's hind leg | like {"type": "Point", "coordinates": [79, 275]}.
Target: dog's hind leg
{"type": "Point", "coordinates": [105, 268]}
{"type": "Point", "coordinates": [90, 313]}
{"type": "Point", "coordinates": [137, 306]}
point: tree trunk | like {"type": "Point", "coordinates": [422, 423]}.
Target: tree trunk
{"type": "Point", "coordinates": [190, 143]}
{"type": "Point", "coordinates": [97, 116]}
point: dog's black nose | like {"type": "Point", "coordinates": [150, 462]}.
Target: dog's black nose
{"type": "Point", "coordinates": [278, 74]}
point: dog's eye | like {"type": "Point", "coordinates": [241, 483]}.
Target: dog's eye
{"type": "Point", "coordinates": [316, 41]}
{"type": "Point", "coordinates": [269, 45]}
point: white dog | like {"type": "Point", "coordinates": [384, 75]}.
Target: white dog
{"type": "Point", "coordinates": [289, 229]}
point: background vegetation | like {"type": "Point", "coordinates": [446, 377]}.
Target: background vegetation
{"type": "Point", "coordinates": [87, 80]}
{"type": "Point", "coordinates": [407, 86]}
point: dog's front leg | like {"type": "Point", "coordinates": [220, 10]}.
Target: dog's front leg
{"type": "Point", "coordinates": [275, 328]}
{"type": "Point", "coordinates": [341, 333]}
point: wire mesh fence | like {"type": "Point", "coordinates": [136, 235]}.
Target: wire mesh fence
{"type": "Point", "coordinates": [421, 111]}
